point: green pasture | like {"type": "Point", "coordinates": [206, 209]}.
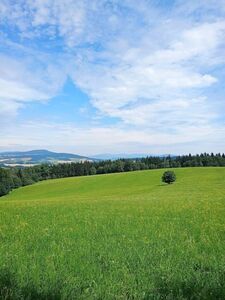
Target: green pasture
{"type": "Point", "coordinates": [115, 236]}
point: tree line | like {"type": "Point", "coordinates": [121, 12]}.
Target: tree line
{"type": "Point", "coordinates": [11, 178]}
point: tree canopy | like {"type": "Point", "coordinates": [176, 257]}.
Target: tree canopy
{"type": "Point", "coordinates": [169, 177]}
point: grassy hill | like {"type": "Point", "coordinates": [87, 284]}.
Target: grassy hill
{"type": "Point", "coordinates": [116, 236]}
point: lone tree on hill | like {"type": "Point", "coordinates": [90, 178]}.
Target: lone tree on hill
{"type": "Point", "coordinates": [169, 177]}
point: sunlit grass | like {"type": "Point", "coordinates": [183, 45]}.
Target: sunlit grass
{"type": "Point", "coordinates": [119, 236]}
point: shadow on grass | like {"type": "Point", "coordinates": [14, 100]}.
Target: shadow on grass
{"type": "Point", "coordinates": [190, 289]}
{"type": "Point", "coordinates": [204, 287]}
{"type": "Point", "coordinates": [9, 289]}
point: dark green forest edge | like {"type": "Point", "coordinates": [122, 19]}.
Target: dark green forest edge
{"type": "Point", "coordinates": [16, 177]}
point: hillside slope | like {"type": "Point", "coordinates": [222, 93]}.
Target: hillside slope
{"type": "Point", "coordinates": [117, 236]}
{"type": "Point", "coordinates": [191, 182]}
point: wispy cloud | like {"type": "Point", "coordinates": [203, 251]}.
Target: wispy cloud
{"type": "Point", "coordinates": [26, 80]}
{"type": "Point", "coordinates": [90, 141]}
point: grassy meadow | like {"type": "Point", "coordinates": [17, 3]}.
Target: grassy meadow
{"type": "Point", "coordinates": [115, 236]}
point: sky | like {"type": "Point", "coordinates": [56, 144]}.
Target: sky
{"type": "Point", "coordinates": [101, 76]}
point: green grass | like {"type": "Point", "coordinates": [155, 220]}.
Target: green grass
{"type": "Point", "coordinates": [118, 236]}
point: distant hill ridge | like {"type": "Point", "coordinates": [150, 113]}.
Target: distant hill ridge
{"type": "Point", "coordinates": [32, 157]}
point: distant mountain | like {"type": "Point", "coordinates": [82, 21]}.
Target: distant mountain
{"type": "Point", "coordinates": [33, 157]}
{"type": "Point", "coordinates": [108, 156]}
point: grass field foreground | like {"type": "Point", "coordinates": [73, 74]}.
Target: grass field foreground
{"type": "Point", "coordinates": [117, 236]}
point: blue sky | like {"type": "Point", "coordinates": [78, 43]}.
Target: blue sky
{"type": "Point", "coordinates": [113, 76]}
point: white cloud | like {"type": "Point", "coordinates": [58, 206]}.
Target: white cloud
{"type": "Point", "coordinates": [194, 44]}
{"type": "Point", "coordinates": [68, 137]}
{"type": "Point", "coordinates": [159, 77]}
{"type": "Point", "coordinates": [8, 108]}
{"type": "Point", "coordinates": [22, 82]}
{"type": "Point", "coordinates": [20, 91]}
